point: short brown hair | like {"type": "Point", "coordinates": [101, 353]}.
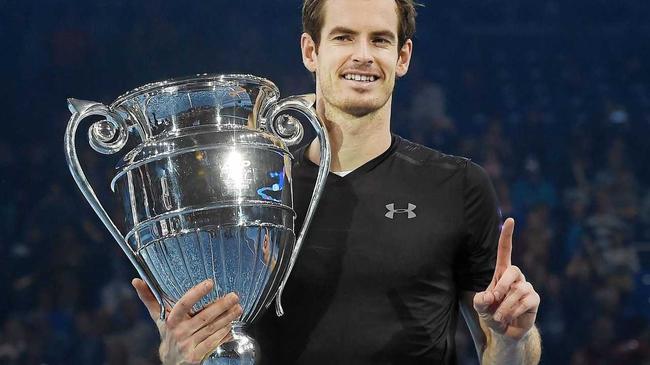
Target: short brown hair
{"type": "Point", "coordinates": [312, 19]}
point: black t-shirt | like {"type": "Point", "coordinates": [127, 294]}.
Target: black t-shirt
{"type": "Point", "coordinates": [391, 247]}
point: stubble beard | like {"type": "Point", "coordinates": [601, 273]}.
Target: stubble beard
{"type": "Point", "coordinates": [352, 106]}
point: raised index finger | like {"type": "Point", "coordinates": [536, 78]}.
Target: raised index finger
{"type": "Point", "coordinates": [504, 252]}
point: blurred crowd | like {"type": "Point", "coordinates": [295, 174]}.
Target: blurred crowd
{"type": "Point", "coordinates": [558, 116]}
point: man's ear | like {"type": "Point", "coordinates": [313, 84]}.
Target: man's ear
{"type": "Point", "coordinates": [309, 52]}
{"type": "Point", "coordinates": [404, 58]}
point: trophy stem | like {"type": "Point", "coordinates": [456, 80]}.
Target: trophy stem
{"type": "Point", "coordinates": [241, 349]}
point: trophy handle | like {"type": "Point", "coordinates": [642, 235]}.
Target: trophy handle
{"type": "Point", "coordinates": [105, 136]}
{"type": "Point", "coordinates": [291, 131]}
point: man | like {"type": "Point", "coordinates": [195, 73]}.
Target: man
{"type": "Point", "coordinates": [404, 235]}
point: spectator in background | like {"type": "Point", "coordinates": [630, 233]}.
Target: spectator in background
{"type": "Point", "coordinates": [618, 181]}
{"type": "Point", "coordinates": [428, 120]}
{"type": "Point", "coordinates": [607, 246]}
{"type": "Point", "coordinates": [14, 343]}
{"type": "Point", "coordinates": [576, 203]}
{"type": "Point", "coordinates": [532, 189]}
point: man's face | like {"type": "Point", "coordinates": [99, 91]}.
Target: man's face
{"type": "Point", "coordinates": [358, 58]}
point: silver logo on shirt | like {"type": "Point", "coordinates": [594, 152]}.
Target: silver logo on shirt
{"type": "Point", "coordinates": [391, 211]}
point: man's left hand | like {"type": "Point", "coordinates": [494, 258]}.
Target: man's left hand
{"type": "Point", "coordinates": [509, 304]}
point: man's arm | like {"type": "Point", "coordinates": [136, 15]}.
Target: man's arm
{"type": "Point", "coordinates": [501, 319]}
{"type": "Point", "coordinates": [494, 348]}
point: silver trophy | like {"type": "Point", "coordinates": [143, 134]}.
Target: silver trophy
{"type": "Point", "coordinates": [207, 191]}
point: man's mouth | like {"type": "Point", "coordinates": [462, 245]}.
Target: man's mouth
{"type": "Point", "coordinates": [359, 77]}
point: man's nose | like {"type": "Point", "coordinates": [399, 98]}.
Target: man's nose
{"type": "Point", "coordinates": [362, 53]}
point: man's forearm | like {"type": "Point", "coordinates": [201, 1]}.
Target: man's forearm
{"type": "Point", "coordinates": [501, 350]}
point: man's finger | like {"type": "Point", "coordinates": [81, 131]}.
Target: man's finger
{"type": "Point", "coordinates": [214, 310]}
{"type": "Point", "coordinates": [527, 304]}
{"type": "Point", "coordinates": [493, 283]}
{"type": "Point", "coordinates": [183, 307]}
{"type": "Point", "coordinates": [504, 252]}
{"type": "Point", "coordinates": [208, 345]}
{"type": "Point", "coordinates": [510, 276]}
{"type": "Point", "coordinates": [505, 310]}
{"type": "Point", "coordinates": [146, 296]}
{"type": "Point", "coordinates": [220, 322]}
{"type": "Point", "coordinates": [483, 301]}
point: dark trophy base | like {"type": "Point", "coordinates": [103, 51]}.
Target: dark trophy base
{"type": "Point", "coordinates": [240, 350]}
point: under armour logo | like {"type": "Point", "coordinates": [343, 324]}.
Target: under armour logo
{"type": "Point", "coordinates": [391, 210]}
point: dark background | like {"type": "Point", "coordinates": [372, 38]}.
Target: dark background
{"type": "Point", "coordinates": [551, 97]}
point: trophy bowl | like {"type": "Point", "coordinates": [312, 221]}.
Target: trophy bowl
{"type": "Point", "coordinates": [207, 192]}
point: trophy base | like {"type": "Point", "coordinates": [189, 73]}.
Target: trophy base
{"type": "Point", "coordinates": [240, 350]}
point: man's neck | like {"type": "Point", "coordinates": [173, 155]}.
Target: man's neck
{"type": "Point", "coordinates": [354, 140]}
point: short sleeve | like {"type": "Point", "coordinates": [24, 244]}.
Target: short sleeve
{"type": "Point", "coordinates": [476, 259]}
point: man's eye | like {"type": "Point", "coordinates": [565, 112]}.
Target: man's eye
{"type": "Point", "coordinates": [381, 41]}
{"type": "Point", "coordinates": [342, 38]}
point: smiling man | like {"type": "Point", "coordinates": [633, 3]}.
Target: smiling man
{"type": "Point", "coordinates": [405, 237]}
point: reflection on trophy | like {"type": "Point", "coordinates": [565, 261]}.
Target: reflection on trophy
{"type": "Point", "coordinates": [207, 193]}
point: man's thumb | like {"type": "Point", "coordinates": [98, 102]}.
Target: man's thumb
{"type": "Point", "coordinates": [483, 301]}
{"type": "Point", "coordinates": [147, 297]}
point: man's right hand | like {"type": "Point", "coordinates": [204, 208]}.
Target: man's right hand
{"type": "Point", "coordinates": [187, 339]}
